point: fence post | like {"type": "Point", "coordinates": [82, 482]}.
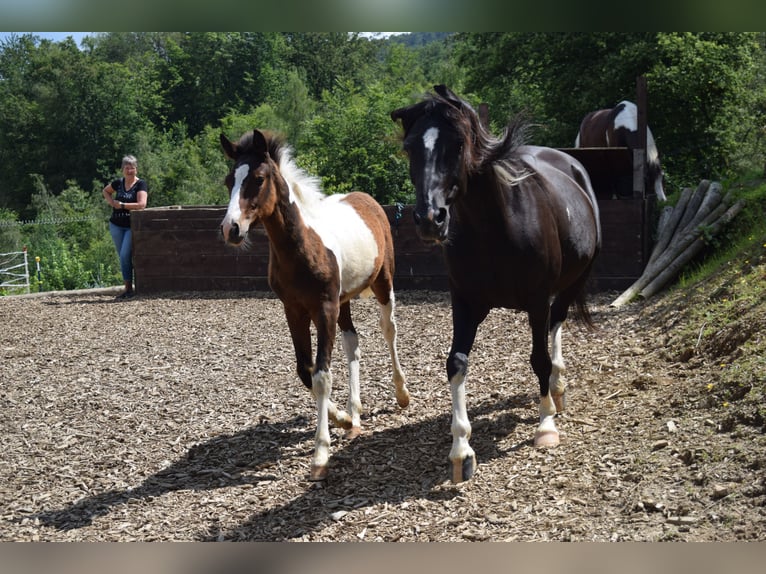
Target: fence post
{"type": "Point", "coordinates": [26, 269]}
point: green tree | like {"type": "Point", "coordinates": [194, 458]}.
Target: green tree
{"type": "Point", "coordinates": [352, 145]}
{"type": "Point", "coordinates": [63, 116]}
{"type": "Point", "coordinates": [700, 87]}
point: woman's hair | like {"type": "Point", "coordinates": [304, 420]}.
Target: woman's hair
{"type": "Point", "coordinates": [129, 160]}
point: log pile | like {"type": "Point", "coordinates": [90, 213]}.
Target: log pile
{"type": "Point", "coordinates": [682, 232]}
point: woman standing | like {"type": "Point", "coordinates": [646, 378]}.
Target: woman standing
{"type": "Point", "coordinates": [125, 195]}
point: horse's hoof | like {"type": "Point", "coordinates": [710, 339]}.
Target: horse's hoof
{"type": "Point", "coordinates": [318, 473]}
{"type": "Point", "coordinates": [403, 400]}
{"type": "Point", "coordinates": [342, 420]}
{"type": "Point", "coordinates": [463, 470]}
{"type": "Point", "coordinates": [546, 439]}
{"type": "Point", "coordinates": [560, 401]}
{"type": "Point", "coordinates": [353, 432]}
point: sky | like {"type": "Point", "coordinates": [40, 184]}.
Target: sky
{"type": "Point", "coordinates": [54, 36]}
{"type": "Point", "coordinates": [78, 36]}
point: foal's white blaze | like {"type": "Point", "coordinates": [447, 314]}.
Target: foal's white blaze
{"type": "Point", "coordinates": [233, 213]}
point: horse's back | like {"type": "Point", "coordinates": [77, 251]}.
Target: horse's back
{"type": "Point", "coordinates": [545, 159]}
{"type": "Point", "coordinates": [593, 129]}
{"type": "Point", "coordinates": [570, 191]}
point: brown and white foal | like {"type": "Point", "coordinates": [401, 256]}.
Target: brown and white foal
{"type": "Point", "coordinates": [323, 251]}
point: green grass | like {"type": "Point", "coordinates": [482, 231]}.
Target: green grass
{"type": "Point", "coordinates": [722, 298]}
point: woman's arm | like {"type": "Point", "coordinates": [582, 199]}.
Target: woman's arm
{"type": "Point", "coordinates": [108, 193]}
{"type": "Point", "coordinates": [141, 198]}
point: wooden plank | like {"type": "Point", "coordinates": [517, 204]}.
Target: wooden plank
{"type": "Point", "coordinates": [192, 266]}
{"type": "Point", "coordinates": [172, 242]}
{"type": "Point", "coordinates": [181, 250]}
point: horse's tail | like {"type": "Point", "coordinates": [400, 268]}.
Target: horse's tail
{"type": "Point", "coordinates": [582, 312]}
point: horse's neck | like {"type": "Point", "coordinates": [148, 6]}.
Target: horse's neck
{"type": "Point", "coordinates": [285, 225]}
{"type": "Point", "coordinates": [481, 200]}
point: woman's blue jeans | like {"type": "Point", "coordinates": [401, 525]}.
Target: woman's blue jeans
{"type": "Point", "coordinates": [123, 242]}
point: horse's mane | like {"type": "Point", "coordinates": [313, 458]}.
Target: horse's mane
{"type": "Point", "coordinates": [481, 149]}
{"type": "Point", "coordinates": [305, 189]}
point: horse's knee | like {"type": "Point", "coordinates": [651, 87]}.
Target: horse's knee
{"type": "Point", "coordinates": [457, 363]}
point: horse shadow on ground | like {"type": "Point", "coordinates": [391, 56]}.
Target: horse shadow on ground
{"type": "Point", "coordinates": [387, 466]}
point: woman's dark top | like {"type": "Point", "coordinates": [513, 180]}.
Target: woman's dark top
{"type": "Point", "coordinates": [121, 217]}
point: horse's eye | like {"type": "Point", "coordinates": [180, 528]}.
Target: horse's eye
{"type": "Point", "coordinates": [258, 182]}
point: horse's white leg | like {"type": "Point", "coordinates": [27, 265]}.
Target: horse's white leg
{"type": "Point", "coordinates": [321, 388]}
{"type": "Point", "coordinates": [388, 326]}
{"type": "Point", "coordinates": [557, 384]}
{"type": "Point", "coordinates": [547, 434]}
{"type": "Point", "coordinates": [462, 455]}
{"type": "Point", "coordinates": [354, 405]}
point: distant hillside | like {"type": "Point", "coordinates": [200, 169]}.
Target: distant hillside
{"type": "Point", "coordinates": [415, 39]}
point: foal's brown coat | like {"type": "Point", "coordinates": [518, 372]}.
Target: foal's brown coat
{"type": "Point", "coordinates": [323, 251]}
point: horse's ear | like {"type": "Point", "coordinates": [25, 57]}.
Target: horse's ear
{"type": "Point", "coordinates": [448, 95]}
{"type": "Point", "coordinates": [259, 141]}
{"type": "Point", "coordinates": [407, 115]}
{"type": "Point", "coordinates": [228, 148]}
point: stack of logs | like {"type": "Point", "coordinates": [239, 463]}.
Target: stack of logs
{"type": "Point", "coordinates": [682, 232]}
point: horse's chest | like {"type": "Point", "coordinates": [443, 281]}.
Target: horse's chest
{"type": "Point", "coordinates": [495, 268]}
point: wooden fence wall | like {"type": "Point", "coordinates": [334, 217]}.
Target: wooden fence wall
{"type": "Point", "coordinates": [181, 249]}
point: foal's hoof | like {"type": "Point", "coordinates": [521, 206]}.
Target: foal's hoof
{"type": "Point", "coordinates": [546, 438]}
{"type": "Point", "coordinates": [403, 399]}
{"type": "Point", "coordinates": [463, 470]}
{"type": "Point", "coordinates": [318, 473]}
{"type": "Point", "coordinates": [342, 420]}
{"type": "Point", "coordinates": [352, 433]}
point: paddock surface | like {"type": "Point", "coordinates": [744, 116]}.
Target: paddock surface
{"type": "Point", "coordinates": [179, 417]}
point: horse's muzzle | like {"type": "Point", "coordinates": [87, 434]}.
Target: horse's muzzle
{"type": "Point", "coordinates": [432, 227]}
{"type": "Point", "coordinates": [231, 233]}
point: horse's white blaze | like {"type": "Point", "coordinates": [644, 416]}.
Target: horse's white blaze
{"type": "Point", "coordinates": [461, 427]}
{"type": "Point", "coordinates": [431, 177]}
{"type": "Point", "coordinates": [234, 212]}
{"type": "Point", "coordinates": [429, 138]}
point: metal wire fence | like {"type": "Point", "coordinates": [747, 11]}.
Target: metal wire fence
{"type": "Point", "coordinates": [14, 272]}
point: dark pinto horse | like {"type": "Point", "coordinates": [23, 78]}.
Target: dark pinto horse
{"type": "Point", "coordinates": [618, 127]}
{"type": "Point", "coordinates": [520, 229]}
{"type": "Point", "coordinates": [323, 251]}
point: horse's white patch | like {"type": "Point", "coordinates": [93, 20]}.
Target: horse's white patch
{"type": "Point", "coordinates": [628, 117]}
{"type": "Point", "coordinates": [429, 138]}
{"type": "Point", "coordinates": [344, 232]}
{"type": "Point", "coordinates": [652, 155]}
